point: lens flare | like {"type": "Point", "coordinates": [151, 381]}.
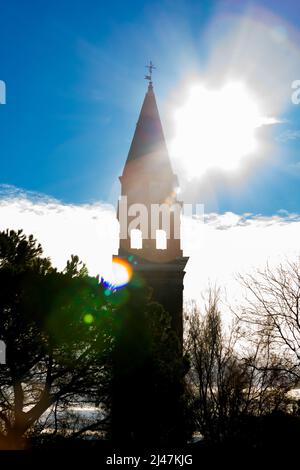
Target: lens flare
{"type": "Point", "coordinates": [217, 128]}
{"type": "Point", "coordinates": [88, 318]}
{"type": "Point", "coordinates": [121, 274]}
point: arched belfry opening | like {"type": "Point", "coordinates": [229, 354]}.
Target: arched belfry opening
{"type": "Point", "coordinates": [151, 225]}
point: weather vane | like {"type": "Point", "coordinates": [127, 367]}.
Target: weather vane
{"type": "Point", "coordinates": [150, 67]}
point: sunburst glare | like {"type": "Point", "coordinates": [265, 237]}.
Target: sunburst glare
{"type": "Point", "coordinates": [216, 129]}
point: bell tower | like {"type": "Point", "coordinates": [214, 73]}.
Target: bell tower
{"type": "Point", "coordinates": [150, 222]}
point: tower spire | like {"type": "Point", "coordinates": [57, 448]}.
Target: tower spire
{"type": "Point", "coordinates": [148, 184]}
{"type": "Point", "coordinates": [148, 144]}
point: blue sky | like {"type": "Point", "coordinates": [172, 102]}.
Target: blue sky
{"type": "Point", "coordinates": [74, 76]}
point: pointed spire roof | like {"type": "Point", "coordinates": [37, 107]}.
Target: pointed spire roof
{"type": "Point", "coordinates": [148, 142]}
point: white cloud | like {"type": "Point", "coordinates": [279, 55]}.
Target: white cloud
{"type": "Point", "coordinates": [219, 248]}
{"type": "Point", "coordinates": [229, 244]}
{"type": "Point", "coordinates": [87, 230]}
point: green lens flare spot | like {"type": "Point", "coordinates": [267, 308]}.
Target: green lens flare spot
{"type": "Point", "coordinates": [88, 318]}
{"type": "Point", "coordinates": [107, 292]}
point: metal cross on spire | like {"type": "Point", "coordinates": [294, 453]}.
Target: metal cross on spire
{"type": "Point", "coordinates": [150, 67]}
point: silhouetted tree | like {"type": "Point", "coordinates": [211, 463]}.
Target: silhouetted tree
{"type": "Point", "coordinates": [272, 315]}
{"type": "Point", "coordinates": [58, 334]}
{"type": "Point", "coordinates": [217, 375]}
{"type": "Point", "coordinates": [232, 375]}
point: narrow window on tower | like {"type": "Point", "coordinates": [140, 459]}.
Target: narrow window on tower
{"type": "Point", "coordinates": [161, 240]}
{"type": "Point", "coordinates": [136, 239]}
